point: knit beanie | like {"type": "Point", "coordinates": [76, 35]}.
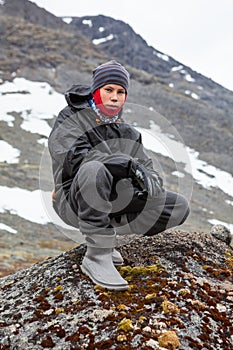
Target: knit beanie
{"type": "Point", "coordinates": [110, 72]}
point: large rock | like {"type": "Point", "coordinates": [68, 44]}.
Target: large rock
{"type": "Point", "coordinates": [180, 296]}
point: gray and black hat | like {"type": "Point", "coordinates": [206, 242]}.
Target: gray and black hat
{"type": "Point", "coordinates": [110, 72]}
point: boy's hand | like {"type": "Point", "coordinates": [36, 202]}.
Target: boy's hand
{"type": "Point", "coordinates": [148, 181]}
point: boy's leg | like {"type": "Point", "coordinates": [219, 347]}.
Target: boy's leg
{"type": "Point", "coordinates": [89, 196]}
{"type": "Point", "coordinates": [174, 213]}
{"type": "Point", "coordinates": [169, 210]}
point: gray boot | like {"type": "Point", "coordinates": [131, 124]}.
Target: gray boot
{"type": "Point", "coordinates": [117, 258]}
{"type": "Point", "coordinates": [98, 265]}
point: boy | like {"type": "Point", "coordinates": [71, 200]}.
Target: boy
{"type": "Point", "coordinates": [105, 183]}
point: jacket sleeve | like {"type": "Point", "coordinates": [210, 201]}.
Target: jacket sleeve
{"type": "Point", "coordinates": [118, 164]}
{"type": "Point", "coordinates": [67, 146]}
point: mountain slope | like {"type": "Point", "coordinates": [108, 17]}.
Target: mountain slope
{"type": "Point", "coordinates": [30, 12]}
{"type": "Point", "coordinates": [32, 46]}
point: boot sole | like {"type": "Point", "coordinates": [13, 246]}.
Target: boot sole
{"type": "Point", "coordinates": [108, 286]}
{"type": "Point", "coordinates": [116, 263]}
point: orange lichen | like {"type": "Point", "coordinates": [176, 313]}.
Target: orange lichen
{"type": "Point", "coordinates": [59, 310]}
{"type": "Point", "coordinates": [169, 308]}
{"type": "Point", "coordinates": [121, 338]}
{"type": "Point", "coordinates": [169, 340]}
{"type": "Point", "coordinates": [199, 304]}
{"type": "Point", "coordinates": [229, 260]}
{"type": "Point", "coordinates": [184, 291]}
{"type": "Point", "coordinates": [140, 270]}
{"type": "Point", "coordinates": [122, 307]}
{"type": "Point", "coordinates": [99, 288]}
{"type": "Point", "coordinates": [150, 296]}
{"type": "Point", "coordinates": [125, 325]}
{"type": "Point", "coordinates": [57, 289]}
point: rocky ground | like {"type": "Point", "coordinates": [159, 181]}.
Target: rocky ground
{"type": "Point", "coordinates": [180, 297]}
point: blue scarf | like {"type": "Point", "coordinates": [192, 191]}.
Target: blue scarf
{"type": "Point", "coordinates": [101, 117]}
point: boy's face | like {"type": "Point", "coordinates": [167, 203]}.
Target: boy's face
{"type": "Point", "coordinates": [112, 96]}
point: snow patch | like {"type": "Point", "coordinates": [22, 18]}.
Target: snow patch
{"type": "Point", "coordinates": [189, 78]}
{"type": "Point", "coordinates": [8, 154]}
{"type": "Point", "coordinates": [87, 22]}
{"type": "Point", "coordinates": [34, 125]}
{"type": "Point", "coordinates": [7, 228]}
{"type": "Point", "coordinates": [67, 20]}
{"type": "Point", "coordinates": [43, 141]}
{"type": "Point", "coordinates": [24, 97]}
{"type": "Point", "coordinates": [24, 203]}
{"type": "Point", "coordinates": [192, 94]}
{"type": "Point", "coordinates": [9, 119]}
{"type": "Point", "coordinates": [203, 173]}
{"type": "Point", "coordinates": [103, 40]}
{"type": "Point", "coordinates": [180, 69]}
{"type": "Point", "coordinates": [176, 68]}
{"type": "Point", "coordinates": [178, 174]}
{"type": "Point", "coordinates": [30, 205]}
{"type": "Point", "coordinates": [162, 56]}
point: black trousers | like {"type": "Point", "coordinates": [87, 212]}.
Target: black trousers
{"type": "Point", "coordinates": [101, 205]}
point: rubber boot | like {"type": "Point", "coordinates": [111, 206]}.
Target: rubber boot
{"type": "Point", "coordinates": [117, 258]}
{"type": "Point", "coordinates": [121, 227]}
{"type": "Point", "coordinates": [98, 265]}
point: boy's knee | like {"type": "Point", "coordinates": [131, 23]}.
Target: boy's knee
{"type": "Point", "coordinates": [93, 171]}
{"type": "Point", "coordinates": [90, 168]}
{"type": "Point", "coordinates": [186, 210]}
{"type": "Point", "coordinates": [181, 210]}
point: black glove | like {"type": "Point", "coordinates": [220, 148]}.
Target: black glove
{"type": "Point", "coordinates": [148, 181]}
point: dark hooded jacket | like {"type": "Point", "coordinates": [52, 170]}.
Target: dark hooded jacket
{"type": "Point", "coordinates": [77, 137]}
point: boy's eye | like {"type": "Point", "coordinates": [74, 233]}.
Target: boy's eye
{"type": "Point", "coordinates": [120, 92]}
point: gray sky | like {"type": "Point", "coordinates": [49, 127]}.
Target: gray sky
{"type": "Point", "coordinates": [197, 33]}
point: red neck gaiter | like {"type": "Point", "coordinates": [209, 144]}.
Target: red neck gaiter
{"type": "Point", "coordinates": [106, 111]}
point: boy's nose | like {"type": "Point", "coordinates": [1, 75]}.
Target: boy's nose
{"type": "Point", "coordinates": [114, 95]}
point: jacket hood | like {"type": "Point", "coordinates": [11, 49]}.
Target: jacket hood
{"type": "Point", "coordinates": [78, 95]}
